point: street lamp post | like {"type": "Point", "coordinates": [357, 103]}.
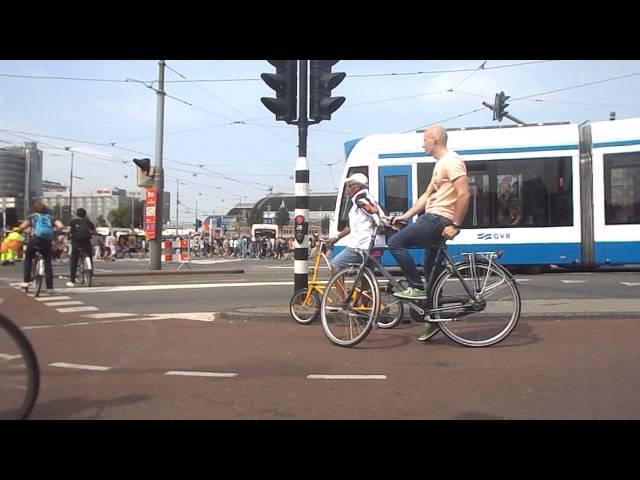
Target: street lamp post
{"type": "Point", "coordinates": [68, 149]}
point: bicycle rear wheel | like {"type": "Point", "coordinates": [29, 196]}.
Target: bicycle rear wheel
{"type": "Point", "coordinates": [38, 276]}
{"type": "Point", "coordinates": [347, 323]}
{"type": "Point", "coordinates": [391, 311]}
{"type": "Point", "coordinates": [304, 309]}
{"type": "Point", "coordinates": [80, 277]}
{"type": "Point", "coordinates": [19, 373]}
{"type": "Point", "coordinates": [498, 310]}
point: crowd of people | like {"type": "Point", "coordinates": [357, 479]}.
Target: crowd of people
{"type": "Point", "coordinates": [242, 247]}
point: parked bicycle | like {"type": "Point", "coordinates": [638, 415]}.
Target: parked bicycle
{"type": "Point", "coordinates": [304, 305]}
{"type": "Point", "coordinates": [19, 372]}
{"type": "Point", "coordinates": [475, 301]}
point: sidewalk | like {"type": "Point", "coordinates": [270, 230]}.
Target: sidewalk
{"type": "Point", "coordinates": [531, 309]}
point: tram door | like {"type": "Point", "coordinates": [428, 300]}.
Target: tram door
{"type": "Point", "coordinates": [395, 196]}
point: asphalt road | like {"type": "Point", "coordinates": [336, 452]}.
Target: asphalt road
{"type": "Point", "coordinates": [181, 368]}
{"type": "Point", "coordinates": [266, 287]}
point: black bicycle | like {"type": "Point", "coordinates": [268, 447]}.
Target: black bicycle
{"type": "Point", "coordinates": [85, 268]}
{"type": "Point", "coordinates": [19, 372]}
{"type": "Point", "coordinates": [475, 301]}
{"type": "Point", "coordinates": [37, 272]}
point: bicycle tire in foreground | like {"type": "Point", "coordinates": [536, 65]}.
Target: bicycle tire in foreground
{"type": "Point", "coordinates": [19, 373]}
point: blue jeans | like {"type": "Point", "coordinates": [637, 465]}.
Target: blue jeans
{"type": "Point", "coordinates": [427, 229]}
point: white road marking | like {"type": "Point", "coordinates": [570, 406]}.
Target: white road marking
{"type": "Point", "coordinates": [63, 303]}
{"type": "Point", "coordinates": [573, 281]}
{"type": "Point", "coordinates": [6, 356]}
{"type": "Point", "coordinates": [521, 280]}
{"type": "Point", "coordinates": [346, 377]}
{"type": "Point", "coordinates": [109, 315]}
{"type": "Point", "coordinates": [196, 316]}
{"type": "Point", "coordinates": [630, 284]}
{"type": "Point", "coordinates": [76, 309]}
{"type": "Point", "coordinates": [79, 366]}
{"type": "Point", "coordinates": [201, 374]}
{"type": "Point", "coordinates": [51, 299]}
{"type": "Point", "coordinates": [140, 288]}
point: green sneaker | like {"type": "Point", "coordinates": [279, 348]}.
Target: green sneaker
{"type": "Point", "coordinates": [411, 293]}
{"type": "Point", "coordinates": [429, 331]}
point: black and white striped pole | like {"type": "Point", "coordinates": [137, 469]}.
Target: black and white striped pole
{"type": "Point", "coordinates": [301, 234]}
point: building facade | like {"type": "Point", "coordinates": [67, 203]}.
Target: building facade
{"type": "Point", "coordinates": [20, 172]}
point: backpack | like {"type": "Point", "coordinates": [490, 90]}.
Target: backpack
{"type": "Point", "coordinates": [81, 230]}
{"type": "Point", "coordinates": [43, 226]}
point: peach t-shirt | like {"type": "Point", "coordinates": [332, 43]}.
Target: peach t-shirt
{"type": "Point", "coordinates": [443, 198]}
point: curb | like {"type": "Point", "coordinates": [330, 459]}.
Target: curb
{"type": "Point", "coordinates": [165, 272]}
{"type": "Point", "coordinates": [277, 316]}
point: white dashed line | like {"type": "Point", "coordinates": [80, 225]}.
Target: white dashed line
{"type": "Point", "coordinates": [630, 284]}
{"type": "Point", "coordinates": [573, 281]}
{"type": "Point", "coordinates": [63, 303]}
{"type": "Point", "coordinates": [109, 315]}
{"type": "Point", "coordinates": [79, 366]}
{"type": "Point", "coordinates": [51, 299]}
{"type": "Point", "coordinates": [346, 377]}
{"type": "Point", "coordinates": [201, 374]}
{"type": "Point", "coordinates": [76, 309]}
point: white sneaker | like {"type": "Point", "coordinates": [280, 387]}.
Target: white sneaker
{"type": "Point", "coordinates": [51, 291]}
{"type": "Point", "coordinates": [71, 284]}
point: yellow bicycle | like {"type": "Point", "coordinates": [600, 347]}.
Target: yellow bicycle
{"type": "Point", "coordinates": [304, 305]}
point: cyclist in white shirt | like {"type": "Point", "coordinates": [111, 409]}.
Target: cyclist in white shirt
{"type": "Point", "coordinates": [361, 225]}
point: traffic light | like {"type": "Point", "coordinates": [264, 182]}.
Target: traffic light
{"type": "Point", "coordinates": [499, 106]}
{"type": "Point", "coordinates": [321, 82]}
{"type": "Point", "coordinates": [145, 172]}
{"type": "Point", "coordinates": [285, 83]}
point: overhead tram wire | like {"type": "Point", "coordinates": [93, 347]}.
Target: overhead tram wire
{"type": "Point", "coordinates": [228, 105]}
{"type": "Point", "coordinates": [208, 172]}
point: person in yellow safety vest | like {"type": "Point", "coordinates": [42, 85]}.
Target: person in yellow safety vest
{"type": "Point", "coordinates": [9, 248]}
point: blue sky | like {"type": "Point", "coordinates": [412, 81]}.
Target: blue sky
{"type": "Point", "coordinates": [260, 152]}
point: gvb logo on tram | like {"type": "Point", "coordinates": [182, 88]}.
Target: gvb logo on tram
{"type": "Point", "coordinates": [494, 236]}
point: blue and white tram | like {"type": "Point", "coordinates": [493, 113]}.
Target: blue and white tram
{"type": "Point", "coordinates": [561, 194]}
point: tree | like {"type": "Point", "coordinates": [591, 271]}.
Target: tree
{"type": "Point", "coordinates": [101, 221]}
{"type": "Point", "coordinates": [256, 216]}
{"type": "Point", "coordinates": [120, 217]}
{"type": "Point", "coordinates": [282, 216]}
{"type": "Point", "coordinates": [324, 224]}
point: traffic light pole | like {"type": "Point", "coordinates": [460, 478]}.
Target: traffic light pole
{"type": "Point", "coordinates": [301, 253]}
{"type": "Point", "coordinates": [506, 115]}
{"type": "Point", "coordinates": [155, 245]}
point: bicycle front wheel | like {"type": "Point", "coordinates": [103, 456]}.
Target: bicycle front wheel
{"type": "Point", "coordinates": [346, 322]}
{"type": "Point", "coordinates": [19, 373]}
{"type": "Point", "coordinates": [304, 307]}
{"type": "Point", "coordinates": [496, 313]}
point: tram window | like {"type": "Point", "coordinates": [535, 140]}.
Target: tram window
{"type": "Point", "coordinates": [622, 188]}
{"type": "Point", "coordinates": [534, 192]}
{"type": "Point", "coordinates": [395, 194]}
{"type": "Point", "coordinates": [479, 210]}
{"type": "Point", "coordinates": [425, 172]}
{"type": "Point", "coordinates": [345, 201]}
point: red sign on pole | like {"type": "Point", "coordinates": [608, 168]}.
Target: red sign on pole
{"type": "Point", "coordinates": [151, 198]}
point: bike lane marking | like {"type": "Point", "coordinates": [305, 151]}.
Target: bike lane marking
{"type": "Point", "coordinates": [201, 374]}
{"type": "Point", "coordinates": [79, 366]}
{"type": "Point", "coordinates": [345, 377]}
